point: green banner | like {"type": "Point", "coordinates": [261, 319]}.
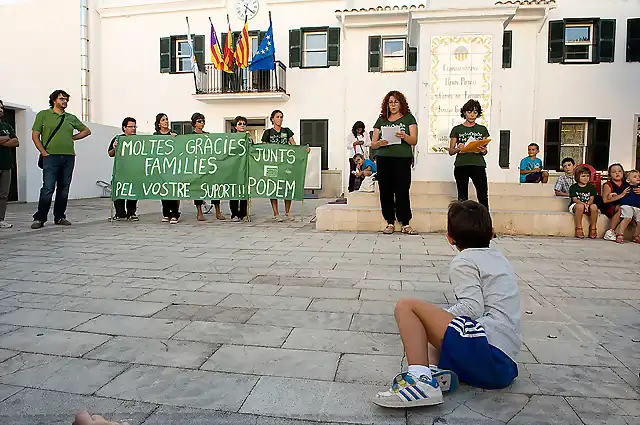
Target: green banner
{"type": "Point", "coordinates": [206, 166]}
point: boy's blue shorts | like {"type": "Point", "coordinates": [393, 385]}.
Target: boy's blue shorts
{"type": "Point", "coordinates": [467, 352]}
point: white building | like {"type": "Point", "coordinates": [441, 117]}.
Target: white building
{"type": "Point", "coordinates": [559, 73]}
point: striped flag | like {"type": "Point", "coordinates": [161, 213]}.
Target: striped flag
{"type": "Point", "coordinates": [242, 48]}
{"type": "Point", "coordinates": [228, 51]}
{"type": "Point", "coordinates": [216, 54]}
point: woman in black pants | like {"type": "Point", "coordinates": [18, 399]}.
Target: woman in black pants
{"type": "Point", "coordinates": [239, 207]}
{"type": "Point", "coordinates": [470, 164]}
{"type": "Point", "coordinates": [394, 160]}
{"type": "Point", "coordinates": [170, 208]}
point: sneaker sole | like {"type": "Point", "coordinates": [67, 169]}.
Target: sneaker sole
{"type": "Point", "coordinates": [397, 403]}
{"type": "Point", "coordinates": [447, 380]}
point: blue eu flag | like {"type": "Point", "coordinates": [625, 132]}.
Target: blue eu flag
{"type": "Point", "coordinates": [265, 57]}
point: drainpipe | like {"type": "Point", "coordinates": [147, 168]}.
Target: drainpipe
{"type": "Point", "coordinates": [536, 75]}
{"type": "Point", "coordinates": [84, 59]}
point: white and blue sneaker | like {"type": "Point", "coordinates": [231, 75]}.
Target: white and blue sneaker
{"type": "Point", "coordinates": [447, 379]}
{"type": "Point", "coordinates": [410, 391]}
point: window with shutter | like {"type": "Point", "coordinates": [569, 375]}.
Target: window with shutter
{"type": "Point", "coordinates": [556, 41]}
{"type": "Point", "coordinates": [199, 46]}
{"type": "Point", "coordinates": [412, 58]}
{"type": "Point", "coordinates": [599, 144]}
{"type": "Point", "coordinates": [552, 145]}
{"type": "Point", "coordinates": [606, 40]}
{"type": "Point", "coordinates": [295, 44]}
{"type": "Point", "coordinates": [507, 39]}
{"type": "Point", "coordinates": [633, 40]}
{"type": "Point", "coordinates": [375, 53]}
{"type": "Point", "coordinates": [505, 147]}
{"type": "Point", "coordinates": [333, 47]}
{"type": "Point", "coordinates": [165, 54]}
{"type": "Point", "coordinates": [316, 133]}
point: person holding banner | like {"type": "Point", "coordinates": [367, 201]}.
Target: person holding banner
{"type": "Point", "coordinates": [197, 122]}
{"type": "Point", "coordinates": [124, 209]}
{"type": "Point", "coordinates": [395, 133]}
{"type": "Point", "coordinates": [284, 136]}
{"type": "Point", "coordinates": [470, 164]}
{"type": "Point", "coordinates": [239, 207]}
{"type": "Point", "coordinates": [170, 208]}
{"type": "Point", "coordinates": [357, 141]}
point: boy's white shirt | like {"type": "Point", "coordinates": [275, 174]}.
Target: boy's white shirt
{"type": "Point", "coordinates": [487, 291]}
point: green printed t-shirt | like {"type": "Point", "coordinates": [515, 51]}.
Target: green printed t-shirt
{"type": "Point", "coordinates": [582, 193]}
{"type": "Point", "coordinates": [62, 143]}
{"type": "Point", "coordinates": [6, 158]}
{"type": "Point", "coordinates": [464, 134]}
{"type": "Point", "coordinates": [403, 150]}
{"type": "Point", "coordinates": [280, 137]}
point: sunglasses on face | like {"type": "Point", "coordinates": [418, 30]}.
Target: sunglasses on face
{"type": "Point", "coordinates": [200, 121]}
{"type": "Point", "coordinates": [242, 123]}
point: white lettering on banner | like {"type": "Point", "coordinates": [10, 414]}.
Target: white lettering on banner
{"type": "Point", "coordinates": [153, 147]}
{"type": "Point", "coordinates": [221, 146]}
{"type": "Point", "coordinates": [275, 155]}
{"type": "Point", "coordinates": [124, 189]}
{"type": "Point", "coordinates": [461, 69]}
{"type": "Point", "coordinates": [169, 189]}
{"type": "Point", "coordinates": [272, 188]}
{"type": "Point", "coordinates": [182, 165]}
{"type": "Point", "coordinates": [222, 191]}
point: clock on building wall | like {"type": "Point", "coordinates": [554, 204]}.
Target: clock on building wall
{"type": "Point", "coordinates": [248, 8]}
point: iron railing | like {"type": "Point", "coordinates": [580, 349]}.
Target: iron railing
{"type": "Point", "coordinates": [214, 81]}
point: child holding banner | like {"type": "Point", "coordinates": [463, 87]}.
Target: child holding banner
{"type": "Point", "coordinates": [197, 122]}
{"type": "Point", "coordinates": [124, 209]}
{"type": "Point", "coordinates": [239, 207]}
{"type": "Point", "coordinates": [284, 136]}
{"type": "Point", "coordinates": [170, 208]}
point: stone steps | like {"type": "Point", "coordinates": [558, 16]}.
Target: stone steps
{"type": "Point", "coordinates": [496, 202]}
{"type": "Point", "coordinates": [505, 189]}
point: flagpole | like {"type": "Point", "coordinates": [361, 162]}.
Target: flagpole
{"type": "Point", "coordinates": [275, 72]}
{"type": "Point", "coordinates": [193, 54]}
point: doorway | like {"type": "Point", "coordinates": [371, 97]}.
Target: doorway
{"type": "Point", "coordinates": [636, 164]}
{"type": "Point", "coordinates": [255, 128]}
{"type": "Point", "coordinates": [10, 118]}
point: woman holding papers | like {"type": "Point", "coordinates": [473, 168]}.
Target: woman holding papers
{"type": "Point", "coordinates": [357, 142]}
{"type": "Point", "coordinates": [394, 135]}
{"type": "Point", "coordinates": [465, 143]}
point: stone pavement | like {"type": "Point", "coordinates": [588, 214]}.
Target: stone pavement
{"type": "Point", "coordinates": [275, 323]}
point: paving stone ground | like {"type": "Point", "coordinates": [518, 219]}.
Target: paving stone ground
{"type": "Point", "coordinates": [275, 323]}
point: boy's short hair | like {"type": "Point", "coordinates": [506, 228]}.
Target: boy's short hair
{"type": "Point", "coordinates": [469, 224]}
{"type": "Point", "coordinates": [358, 154]}
{"type": "Point", "coordinates": [534, 144]}
{"type": "Point", "coordinates": [570, 160]}
{"type": "Point", "coordinates": [580, 171]}
{"type": "Point", "coordinates": [632, 172]}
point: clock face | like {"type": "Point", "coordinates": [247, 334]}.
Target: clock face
{"type": "Point", "coordinates": [247, 7]}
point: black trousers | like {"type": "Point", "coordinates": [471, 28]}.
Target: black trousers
{"type": "Point", "coordinates": [238, 208]}
{"type": "Point", "coordinates": [478, 175]}
{"type": "Point", "coordinates": [170, 209]}
{"type": "Point", "coordinates": [352, 178]}
{"type": "Point", "coordinates": [125, 208]}
{"type": "Point", "coordinates": [394, 182]}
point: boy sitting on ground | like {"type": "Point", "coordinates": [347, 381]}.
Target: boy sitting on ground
{"type": "Point", "coordinates": [630, 207]}
{"type": "Point", "coordinates": [531, 167]}
{"type": "Point", "coordinates": [478, 339]}
{"type": "Point", "coordinates": [565, 181]}
{"type": "Point", "coordinates": [364, 167]}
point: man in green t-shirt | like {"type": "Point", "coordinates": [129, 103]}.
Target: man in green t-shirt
{"type": "Point", "coordinates": [58, 156]}
{"type": "Point", "coordinates": [8, 140]}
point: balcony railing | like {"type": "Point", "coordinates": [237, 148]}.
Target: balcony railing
{"type": "Point", "coordinates": [214, 81]}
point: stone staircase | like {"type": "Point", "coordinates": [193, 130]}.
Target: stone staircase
{"type": "Point", "coordinates": [516, 209]}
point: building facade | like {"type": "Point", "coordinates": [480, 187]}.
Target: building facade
{"type": "Point", "coordinates": [558, 73]}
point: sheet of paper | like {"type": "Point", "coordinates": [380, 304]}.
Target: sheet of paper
{"type": "Point", "coordinates": [389, 134]}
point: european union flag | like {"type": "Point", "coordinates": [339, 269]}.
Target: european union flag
{"type": "Point", "coordinates": [265, 57]}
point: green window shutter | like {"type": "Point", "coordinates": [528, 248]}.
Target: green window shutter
{"type": "Point", "coordinates": [375, 53]}
{"type": "Point", "coordinates": [176, 127]}
{"type": "Point", "coordinates": [507, 51]}
{"type": "Point", "coordinates": [556, 41]}
{"type": "Point", "coordinates": [607, 40]}
{"type": "Point", "coordinates": [333, 47]}
{"type": "Point", "coordinates": [165, 54]}
{"type": "Point", "coordinates": [172, 55]}
{"type": "Point", "coordinates": [199, 46]}
{"type": "Point", "coordinates": [295, 48]}
{"type": "Point", "coordinates": [505, 148]}
{"type": "Point", "coordinates": [552, 145]}
{"type": "Point", "coordinates": [633, 40]}
{"type": "Point", "coordinates": [315, 133]}
{"type": "Point", "coordinates": [261, 35]}
{"type": "Point", "coordinates": [598, 144]}
{"type": "Point", "coordinates": [412, 58]}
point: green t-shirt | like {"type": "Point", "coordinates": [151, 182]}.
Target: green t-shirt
{"type": "Point", "coordinates": [6, 158]}
{"type": "Point", "coordinates": [582, 193]}
{"type": "Point", "coordinates": [464, 134]}
{"type": "Point", "coordinates": [403, 150]}
{"type": "Point", "coordinates": [280, 137]}
{"type": "Point", "coordinates": [62, 143]}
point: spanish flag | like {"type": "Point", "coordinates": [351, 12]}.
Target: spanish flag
{"type": "Point", "coordinates": [228, 51]}
{"type": "Point", "coordinates": [216, 54]}
{"type": "Point", "coordinates": [242, 48]}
